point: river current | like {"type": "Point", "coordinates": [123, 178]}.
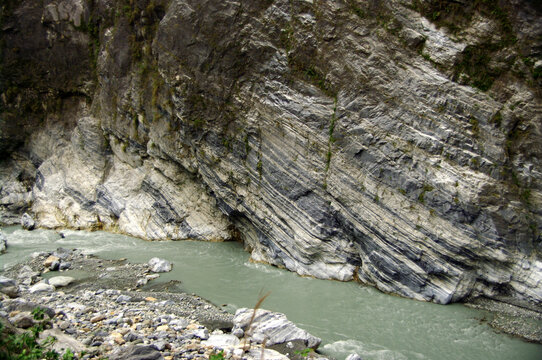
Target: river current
{"type": "Point", "coordinates": [348, 317]}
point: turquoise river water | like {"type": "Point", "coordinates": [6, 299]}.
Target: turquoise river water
{"type": "Point", "coordinates": [347, 316]}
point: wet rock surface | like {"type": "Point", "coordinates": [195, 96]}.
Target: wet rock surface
{"type": "Point", "coordinates": [3, 243]}
{"type": "Point", "coordinates": [109, 316]}
{"type": "Point", "coordinates": [27, 222]}
{"type": "Point", "coordinates": [274, 329]}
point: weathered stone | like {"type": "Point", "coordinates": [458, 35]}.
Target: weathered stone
{"type": "Point", "coordinates": [238, 332]}
{"type": "Point", "coordinates": [202, 334]}
{"type": "Point", "coordinates": [274, 327]}
{"type": "Point", "coordinates": [64, 265]}
{"type": "Point", "coordinates": [55, 265]}
{"type": "Point", "coordinates": [179, 324]}
{"type": "Point", "coordinates": [353, 357]}
{"type": "Point", "coordinates": [3, 243]}
{"type": "Point", "coordinates": [41, 287]}
{"type": "Point", "coordinates": [27, 276]}
{"type": "Point", "coordinates": [52, 259]}
{"type": "Point", "coordinates": [61, 281]}
{"type": "Point", "coordinates": [159, 345]}
{"type": "Point", "coordinates": [158, 265]}
{"type": "Point", "coordinates": [222, 341]}
{"type": "Point", "coordinates": [117, 338]}
{"type": "Point", "coordinates": [131, 336]}
{"type": "Point", "coordinates": [123, 299]}
{"type": "Point", "coordinates": [6, 282]}
{"type": "Point", "coordinates": [63, 341]}
{"type": "Point", "coordinates": [27, 222]}
{"type": "Point", "coordinates": [22, 320]}
{"type": "Point", "coordinates": [11, 291]}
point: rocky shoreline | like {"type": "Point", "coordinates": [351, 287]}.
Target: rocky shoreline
{"type": "Point", "coordinates": [110, 309]}
{"type": "Point", "coordinates": [513, 320]}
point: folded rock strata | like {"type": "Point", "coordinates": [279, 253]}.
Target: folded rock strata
{"type": "Point", "coordinates": [389, 142]}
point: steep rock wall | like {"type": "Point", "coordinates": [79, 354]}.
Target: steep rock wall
{"type": "Point", "coordinates": [343, 140]}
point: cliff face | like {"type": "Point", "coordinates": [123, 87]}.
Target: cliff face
{"type": "Point", "coordinates": [393, 142]}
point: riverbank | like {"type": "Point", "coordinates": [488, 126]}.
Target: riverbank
{"type": "Point", "coordinates": [511, 319]}
{"type": "Point", "coordinates": [348, 317]}
{"type": "Point", "coordinates": [110, 308]}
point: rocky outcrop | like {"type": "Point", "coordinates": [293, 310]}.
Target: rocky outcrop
{"type": "Point", "coordinates": [158, 265]}
{"type": "Point", "coordinates": [3, 243]}
{"type": "Point", "coordinates": [273, 329]}
{"type": "Point", "coordinates": [27, 222]}
{"type": "Point", "coordinates": [395, 143]}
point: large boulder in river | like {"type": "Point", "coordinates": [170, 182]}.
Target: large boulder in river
{"type": "Point", "coordinates": [275, 329]}
{"type": "Point", "coordinates": [158, 265]}
{"type": "Point", "coordinates": [3, 243]}
{"type": "Point", "coordinates": [27, 222]}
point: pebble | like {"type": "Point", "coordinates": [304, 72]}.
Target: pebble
{"type": "Point", "coordinates": [50, 260]}
{"type": "Point", "coordinates": [97, 318]}
{"type": "Point", "coordinates": [124, 299]}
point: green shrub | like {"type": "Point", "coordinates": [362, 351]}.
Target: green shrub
{"type": "Point", "coordinates": [26, 346]}
{"type": "Point", "coordinates": [219, 356]}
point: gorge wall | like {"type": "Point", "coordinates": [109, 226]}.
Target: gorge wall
{"type": "Point", "coordinates": [397, 143]}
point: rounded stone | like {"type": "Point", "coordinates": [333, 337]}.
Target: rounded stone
{"type": "Point", "coordinates": [41, 287]}
{"type": "Point", "coordinates": [61, 281]}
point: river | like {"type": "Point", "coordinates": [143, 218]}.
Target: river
{"type": "Point", "coordinates": [347, 316]}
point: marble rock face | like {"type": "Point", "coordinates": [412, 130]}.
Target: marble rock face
{"type": "Point", "coordinates": [272, 328]}
{"type": "Point", "coordinates": [391, 149]}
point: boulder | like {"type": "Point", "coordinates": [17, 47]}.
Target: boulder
{"type": "Point", "coordinates": [65, 265]}
{"type": "Point", "coordinates": [41, 287]}
{"type": "Point", "coordinates": [222, 341]}
{"type": "Point", "coordinates": [11, 291]}
{"type": "Point", "coordinates": [21, 305]}
{"type": "Point", "coordinates": [51, 262]}
{"type": "Point", "coordinates": [27, 222]}
{"type": "Point", "coordinates": [63, 341]}
{"type": "Point", "coordinates": [3, 243]}
{"type": "Point", "coordinates": [275, 328]}
{"type": "Point", "coordinates": [22, 320]}
{"type": "Point", "coordinates": [55, 265]}
{"type": "Point", "coordinates": [61, 281]}
{"type": "Point", "coordinates": [202, 334]}
{"type": "Point", "coordinates": [27, 276]}
{"type": "Point", "coordinates": [353, 357]}
{"type": "Point", "coordinates": [158, 265]}
{"type": "Point", "coordinates": [6, 282]}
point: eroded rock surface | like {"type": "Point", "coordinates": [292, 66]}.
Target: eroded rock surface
{"type": "Point", "coordinates": [396, 143]}
{"type": "Point", "coordinates": [273, 329]}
